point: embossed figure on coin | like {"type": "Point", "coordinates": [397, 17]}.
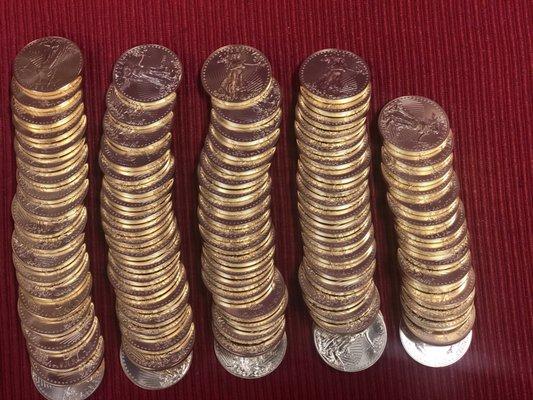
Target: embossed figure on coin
{"type": "Point", "coordinates": [252, 367]}
{"type": "Point", "coordinates": [147, 73]}
{"type": "Point", "coordinates": [48, 64]}
{"type": "Point", "coordinates": [333, 78]}
{"type": "Point", "coordinates": [236, 74]}
{"type": "Point", "coordinates": [400, 118]}
{"type": "Point", "coordinates": [431, 355]}
{"type": "Point", "coordinates": [352, 352]}
{"type": "Point", "coordinates": [159, 74]}
{"type": "Point", "coordinates": [45, 62]}
{"type": "Point", "coordinates": [333, 74]}
{"type": "Point", "coordinates": [414, 123]}
{"type": "Point", "coordinates": [234, 83]}
{"type": "Point", "coordinates": [154, 379]}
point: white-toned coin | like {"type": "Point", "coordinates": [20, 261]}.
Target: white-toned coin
{"type": "Point", "coordinates": [154, 380]}
{"type": "Point", "coordinates": [431, 355]}
{"type": "Point", "coordinates": [78, 391]}
{"type": "Point", "coordinates": [252, 367]}
{"type": "Point", "coordinates": [352, 352]}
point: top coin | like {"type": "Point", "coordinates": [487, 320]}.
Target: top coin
{"type": "Point", "coordinates": [333, 74]}
{"type": "Point", "coordinates": [236, 74]}
{"type": "Point", "coordinates": [147, 73]}
{"type": "Point", "coordinates": [48, 64]}
{"type": "Point", "coordinates": [413, 123]}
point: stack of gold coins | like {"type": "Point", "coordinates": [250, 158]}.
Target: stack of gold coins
{"type": "Point", "coordinates": [234, 211]}
{"type": "Point", "coordinates": [437, 277]}
{"type": "Point", "coordinates": [49, 252]}
{"type": "Point", "coordinates": [141, 230]}
{"type": "Point", "coordinates": [336, 273]}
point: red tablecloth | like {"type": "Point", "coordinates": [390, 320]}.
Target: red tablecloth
{"type": "Point", "coordinates": [472, 57]}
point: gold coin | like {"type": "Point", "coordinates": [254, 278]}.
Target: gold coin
{"type": "Point", "coordinates": [150, 317]}
{"type": "Point", "coordinates": [162, 359]}
{"type": "Point", "coordinates": [442, 338]}
{"type": "Point", "coordinates": [79, 351]}
{"type": "Point", "coordinates": [66, 91]}
{"type": "Point", "coordinates": [71, 375]}
{"type": "Point", "coordinates": [354, 325]}
{"type": "Point", "coordinates": [345, 102]}
{"type": "Point", "coordinates": [131, 290]}
{"type": "Point", "coordinates": [164, 338]}
{"type": "Point", "coordinates": [250, 350]}
{"type": "Point", "coordinates": [58, 306]}
{"type": "Point", "coordinates": [56, 333]}
{"type": "Point", "coordinates": [58, 288]}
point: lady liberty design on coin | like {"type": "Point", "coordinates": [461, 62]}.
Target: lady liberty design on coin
{"type": "Point", "coordinates": [236, 74]}
{"type": "Point", "coordinates": [352, 352]}
{"type": "Point", "coordinates": [48, 64]}
{"type": "Point", "coordinates": [333, 77]}
{"type": "Point", "coordinates": [236, 65]}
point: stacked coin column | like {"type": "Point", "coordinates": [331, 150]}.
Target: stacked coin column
{"type": "Point", "coordinates": [336, 273]}
{"type": "Point", "coordinates": [234, 212]}
{"type": "Point", "coordinates": [141, 231]}
{"type": "Point", "coordinates": [437, 291]}
{"type": "Point", "coordinates": [49, 252]}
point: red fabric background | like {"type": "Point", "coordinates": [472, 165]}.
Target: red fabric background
{"type": "Point", "coordinates": [473, 57]}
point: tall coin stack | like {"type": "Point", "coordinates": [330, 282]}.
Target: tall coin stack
{"type": "Point", "coordinates": [141, 231]}
{"type": "Point", "coordinates": [49, 252]}
{"type": "Point", "coordinates": [437, 291]}
{"type": "Point", "coordinates": [336, 273]}
{"type": "Point", "coordinates": [248, 291]}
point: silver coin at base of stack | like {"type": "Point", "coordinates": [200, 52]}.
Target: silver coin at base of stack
{"type": "Point", "coordinates": [49, 253]}
{"type": "Point", "coordinates": [141, 230]}
{"type": "Point", "coordinates": [336, 273]}
{"type": "Point", "coordinates": [248, 291]}
{"type": "Point", "coordinates": [438, 281]}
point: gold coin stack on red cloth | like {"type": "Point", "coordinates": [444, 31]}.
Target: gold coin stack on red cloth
{"type": "Point", "coordinates": [336, 273]}
{"type": "Point", "coordinates": [433, 241]}
{"type": "Point", "coordinates": [141, 230]}
{"type": "Point", "coordinates": [49, 253]}
{"type": "Point", "coordinates": [238, 268]}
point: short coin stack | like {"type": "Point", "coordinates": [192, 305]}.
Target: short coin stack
{"type": "Point", "coordinates": [434, 257]}
{"type": "Point", "coordinates": [336, 273]}
{"type": "Point", "coordinates": [49, 252]}
{"type": "Point", "coordinates": [234, 211]}
{"type": "Point", "coordinates": [141, 230]}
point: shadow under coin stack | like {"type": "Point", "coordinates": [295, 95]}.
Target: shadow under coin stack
{"type": "Point", "coordinates": [437, 291]}
{"type": "Point", "coordinates": [336, 273]}
{"type": "Point", "coordinates": [49, 252]}
{"type": "Point", "coordinates": [248, 291]}
{"type": "Point", "coordinates": [141, 230]}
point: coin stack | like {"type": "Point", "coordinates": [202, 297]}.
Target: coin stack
{"type": "Point", "coordinates": [336, 273]}
{"type": "Point", "coordinates": [234, 211]}
{"type": "Point", "coordinates": [140, 227]}
{"type": "Point", "coordinates": [437, 277]}
{"type": "Point", "coordinates": [49, 252]}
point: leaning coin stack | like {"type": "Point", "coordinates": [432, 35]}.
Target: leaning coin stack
{"type": "Point", "coordinates": [141, 230]}
{"type": "Point", "coordinates": [437, 292]}
{"type": "Point", "coordinates": [49, 253]}
{"type": "Point", "coordinates": [248, 291]}
{"type": "Point", "coordinates": [336, 273]}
